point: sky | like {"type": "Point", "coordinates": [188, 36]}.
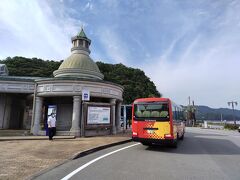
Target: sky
{"type": "Point", "coordinates": [187, 48]}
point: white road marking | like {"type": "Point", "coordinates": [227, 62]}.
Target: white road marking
{"type": "Point", "coordinates": [94, 160]}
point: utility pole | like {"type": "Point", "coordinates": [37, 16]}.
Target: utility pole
{"type": "Point", "coordinates": [188, 110]}
{"type": "Point", "coordinates": [233, 103]}
{"type": "Point", "coordinates": [191, 110]}
{"type": "Point", "coordinates": [193, 113]}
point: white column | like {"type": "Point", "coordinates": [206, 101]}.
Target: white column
{"type": "Point", "coordinates": [118, 116]}
{"type": "Point", "coordinates": [82, 123]}
{"type": "Point", "coordinates": [75, 129]}
{"type": "Point", "coordinates": [113, 104]}
{"type": "Point", "coordinates": [84, 43]}
{"type": "Point", "coordinates": [38, 115]}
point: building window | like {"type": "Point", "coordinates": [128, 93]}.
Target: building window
{"type": "Point", "coordinates": [80, 42]}
{"type": "Point", "coordinates": [86, 44]}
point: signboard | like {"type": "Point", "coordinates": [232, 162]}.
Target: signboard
{"type": "Point", "coordinates": [52, 109]}
{"type": "Point", "coordinates": [85, 95]}
{"type": "Point", "coordinates": [98, 115]}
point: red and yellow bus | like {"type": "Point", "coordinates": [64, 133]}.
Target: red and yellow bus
{"type": "Point", "coordinates": [157, 121]}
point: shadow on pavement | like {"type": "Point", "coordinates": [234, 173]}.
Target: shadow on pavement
{"type": "Point", "coordinates": [194, 143]}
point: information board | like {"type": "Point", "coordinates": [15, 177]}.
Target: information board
{"type": "Point", "coordinates": [98, 115]}
{"type": "Point", "coordinates": [52, 109]}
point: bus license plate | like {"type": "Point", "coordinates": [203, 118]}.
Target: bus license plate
{"type": "Point", "coordinates": [150, 131]}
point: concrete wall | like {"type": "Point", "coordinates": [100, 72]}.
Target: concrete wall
{"type": "Point", "coordinates": [2, 109]}
{"type": "Point", "coordinates": [64, 117]}
{"type": "Point", "coordinates": [17, 112]}
{"type": "Point", "coordinates": [13, 112]}
{"type": "Point", "coordinates": [27, 117]}
{"type": "Point", "coordinates": [5, 110]}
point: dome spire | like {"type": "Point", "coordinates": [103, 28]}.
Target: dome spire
{"type": "Point", "coordinates": [82, 33]}
{"type": "Point", "coordinates": [81, 42]}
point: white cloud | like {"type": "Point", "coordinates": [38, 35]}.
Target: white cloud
{"type": "Point", "coordinates": [209, 75]}
{"type": "Point", "coordinates": [202, 59]}
{"type": "Point", "coordinates": [32, 29]}
{"type": "Point", "coordinates": [88, 6]}
{"type": "Point", "coordinates": [111, 4]}
{"type": "Point", "coordinates": [115, 48]}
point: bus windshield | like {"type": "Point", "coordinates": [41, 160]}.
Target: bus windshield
{"type": "Point", "coordinates": [158, 111]}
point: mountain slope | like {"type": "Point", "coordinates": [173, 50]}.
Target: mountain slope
{"type": "Point", "coordinates": [205, 112]}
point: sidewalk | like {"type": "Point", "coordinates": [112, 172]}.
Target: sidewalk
{"type": "Point", "coordinates": [21, 157]}
{"type": "Point", "coordinates": [12, 138]}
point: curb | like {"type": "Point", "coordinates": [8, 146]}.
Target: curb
{"type": "Point", "coordinates": [78, 155]}
{"type": "Point", "coordinates": [20, 138]}
{"type": "Point", "coordinates": [93, 150]}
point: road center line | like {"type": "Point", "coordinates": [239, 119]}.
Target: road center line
{"type": "Point", "coordinates": [94, 160]}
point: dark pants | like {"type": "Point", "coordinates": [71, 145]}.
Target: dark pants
{"type": "Point", "coordinates": [51, 132]}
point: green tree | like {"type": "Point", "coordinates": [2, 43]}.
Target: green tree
{"type": "Point", "coordinates": [21, 66]}
{"type": "Point", "coordinates": [136, 84]}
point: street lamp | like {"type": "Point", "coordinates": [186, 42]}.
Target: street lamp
{"type": "Point", "coordinates": [233, 103]}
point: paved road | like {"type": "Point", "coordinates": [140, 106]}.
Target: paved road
{"type": "Point", "coordinates": [204, 154]}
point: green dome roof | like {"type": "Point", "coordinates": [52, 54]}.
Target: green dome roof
{"type": "Point", "coordinates": [79, 61]}
{"type": "Point", "coordinates": [79, 65]}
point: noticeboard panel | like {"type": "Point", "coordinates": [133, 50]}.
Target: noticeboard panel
{"type": "Point", "coordinates": [98, 115]}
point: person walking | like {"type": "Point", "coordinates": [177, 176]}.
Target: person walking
{"type": "Point", "coordinates": [51, 126]}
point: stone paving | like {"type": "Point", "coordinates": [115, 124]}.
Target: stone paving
{"type": "Point", "coordinates": [20, 159]}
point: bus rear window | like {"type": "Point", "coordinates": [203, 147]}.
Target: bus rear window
{"type": "Point", "coordinates": [156, 111]}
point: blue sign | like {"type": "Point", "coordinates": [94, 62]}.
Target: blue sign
{"type": "Point", "coordinates": [85, 95]}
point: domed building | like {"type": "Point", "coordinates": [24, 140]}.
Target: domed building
{"type": "Point", "coordinates": [83, 103]}
{"type": "Point", "coordinates": [79, 64]}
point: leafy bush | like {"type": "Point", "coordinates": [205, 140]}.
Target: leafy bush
{"type": "Point", "coordinates": [231, 126]}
